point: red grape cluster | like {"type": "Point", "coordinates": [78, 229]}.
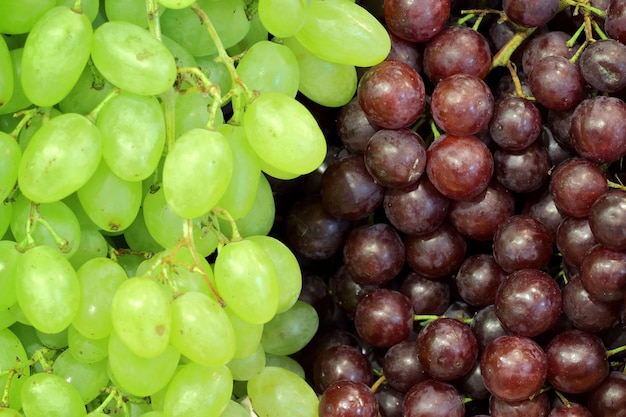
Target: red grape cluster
{"type": "Point", "coordinates": [465, 241]}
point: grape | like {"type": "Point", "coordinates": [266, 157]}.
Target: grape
{"type": "Point", "coordinates": [246, 279]}
{"type": "Point", "coordinates": [142, 316]}
{"type": "Point", "coordinates": [478, 279]}
{"type": "Point", "coordinates": [11, 353]}
{"type": "Point", "coordinates": [111, 202]}
{"type": "Point", "coordinates": [8, 264]}
{"type": "Point", "coordinates": [18, 99]}
{"type": "Point", "coordinates": [272, 13]}
{"type": "Point", "coordinates": [138, 237]}
{"type": "Point", "coordinates": [341, 362]}
{"type": "Point", "coordinates": [53, 340]}
{"type": "Point", "coordinates": [546, 44]}
{"type": "Point", "coordinates": [246, 368]}
{"type": "Point", "coordinates": [90, 90]}
{"type": "Point", "coordinates": [289, 331]}
{"type": "Point", "coordinates": [133, 11]}
{"type": "Point", "coordinates": [60, 158]}
{"type": "Point", "coordinates": [401, 366]}
{"type": "Point", "coordinates": [516, 123]}
{"type": "Point", "coordinates": [269, 66]}
{"type": "Point", "coordinates": [614, 21]}
{"type": "Point", "coordinates": [420, 398]}
{"type": "Point", "coordinates": [131, 59]}
{"type": "Point", "coordinates": [603, 65]}
{"type": "Point", "coordinates": [85, 349]}
{"type": "Point", "coordinates": [256, 33]}
{"type": "Point", "coordinates": [55, 53]}
{"type": "Point", "coordinates": [133, 135]}
{"type": "Point", "coordinates": [284, 134]}
{"type": "Point", "coordinates": [530, 13]}
{"type": "Point", "coordinates": [176, 4]}
{"type": "Point", "coordinates": [345, 33]}
{"type": "Point", "coordinates": [20, 17]}
{"type": "Point", "coordinates": [247, 335]}
{"type": "Point", "coordinates": [610, 397]}
{"type": "Point", "coordinates": [536, 405]}
{"type": "Point", "coordinates": [348, 399]}
{"type": "Point", "coordinates": [6, 74]}
{"type": "Point", "coordinates": [416, 20]}
{"type": "Point", "coordinates": [89, 7]}
{"type": "Point", "coordinates": [49, 395]}
{"type": "Point", "coordinates": [207, 345]}
{"type": "Point", "coordinates": [196, 172]}
{"type": "Point", "coordinates": [556, 83]}
{"type": "Point", "coordinates": [576, 184]}
{"type": "Point", "coordinates": [9, 412]}
{"type": "Point", "coordinates": [47, 288]}
{"type": "Point", "coordinates": [233, 409]}
{"type": "Point", "coordinates": [522, 171]}
{"type": "Point", "coordinates": [603, 273]}
{"type": "Point", "coordinates": [522, 242]}
{"type": "Point", "coordinates": [198, 391]}
{"type": "Point", "coordinates": [587, 313]}
{"type": "Point", "coordinates": [281, 393]}
{"type": "Point", "coordinates": [326, 83]}
{"type": "Point", "coordinates": [605, 219]}
{"type": "Point", "coordinates": [192, 111]}
{"type": "Point", "coordinates": [426, 295]}
{"type": "Point", "coordinates": [92, 245]}
{"type": "Point", "coordinates": [6, 211]}
{"type": "Point", "coordinates": [7, 318]}
{"type": "Point", "coordinates": [88, 379]}
{"type": "Point", "coordinates": [354, 127]}
{"type": "Point", "coordinates": [384, 318]}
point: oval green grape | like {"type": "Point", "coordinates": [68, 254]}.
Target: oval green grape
{"type": "Point", "coordinates": [273, 12]}
{"type": "Point", "coordinates": [17, 17]}
{"type": "Point", "coordinates": [49, 395]}
{"type": "Point", "coordinates": [10, 155]}
{"type": "Point", "coordinates": [290, 331]}
{"type": "Point", "coordinates": [6, 74]}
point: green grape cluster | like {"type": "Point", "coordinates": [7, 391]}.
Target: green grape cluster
{"type": "Point", "coordinates": [136, 141]}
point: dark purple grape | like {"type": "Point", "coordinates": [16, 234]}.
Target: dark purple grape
{"type": "Point", "coordinates": [460, 167]}
{"type": "Point", "coordinates": [401, 366]}
{"type": "Point", "coordinates": [522, 171]}
{"type": "Point", "coordinates": [346, 292]}
{"type": "Point", "coordinates": [432, 398]}
{"type": "Point", "coordinates": [395, 158]}
{"type": "Point", "coordinates": [472, 384]}
{"type": "Point", "coordinates": [537, 406]}
{"type": "Point", "coordinates": [516, 123]}
{"type": "Point", "coordinates": [556, 83]}
{"type": "Point", "coordinates": [456, 50]}
{"type": "Point", "coordinates": [392, 94]}
{"type": "Point", "coordinates": [384, 317]}
{"type": "Point", "coordinates": [570, 410]}
{"type": "Point", "coordinates": [487, 327]}
{"type": "Point", "coordinates": [557, 151]}
{"type": "Point", "coordinates": [348, 399]}
{"type": "Point", "coordinates": [575, 185]}
{"type": "Point", "coordinates": [540, 206]}
{"type": "Point", "coordinates": [587, 313]}
{"type": "Point", "coordinates": [513, 367]}
{"type": "Point", "coordinates": [574, 239]}
{"type": "Point", "coordinates": [615, 20]}
{"type": "Point", "coordinates": [405, 51]}
{"type": "Point", "coordinates": [609, 398]}
{"type": "Point", "coordinates": [530, 13]}
{"type": "Point", "coordinates": [341, 362]}
{"type": "Point", "coordinates": [546, 44]}
{"type": "Point", "coordinates": [607, 219]}
{"type": "Point", "coordinates": [462, 104]}
{"type": "Point", "coordinates": [603, 273]}
{"type": "Point", "coordinates": [416, 20]}
{"type": "Point", "coordinates": [478, 279]}
{"type": "Point", "coordinates": [427, 296]}
{"type": "Point", "coordinates": [389, 401]}
{"type": "Point", "coordinates": [353, 127]}
{"type": "Point", "coordinates": [603, 65]}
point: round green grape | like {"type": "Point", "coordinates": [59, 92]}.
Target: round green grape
{"type": "Point", "coordinates": [6, 74]}
{"type": "Point", "coordinates": [273, 12]}
{"type": "Point", "coordinates": [290, 331]}
{"type": "Point", "coordinates": [49, 395]}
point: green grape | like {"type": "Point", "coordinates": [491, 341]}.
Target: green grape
{"type": "Point", "coordinates": [139, 238]}
{"type": "Point", "coordinates": [59, 158]}
{"type": "Point", "coordinates": [6, 74]}
{"type": "Point", "coordinates": [212, 345]}
{"type": "Point", "coordinates": [176, 4]}
{"type": "Point", "coordinates": [196, 172]}
{"type": "Point", "coordinates": [57, 215]}
{"type": "Point", "coordinates": [7, 318]}
{"type": "Point", "coordinates": [234, 409]}
{"type": "Point", "coordinates": [110, 201]}
{"type": "Point", "coordinates": [246, 279]}
{"type": "Point", "coordinates": [16, 310]}
{"type": "Point", "coordinates": [166, 227]}
{"type": "Point", "coordinates": [246, 368]}
{"type": "Point", "coordinates": [290, 277]}
{"type": "Point", "coordinates": [92, 245]}
{"type": "Point", "coordinates": [53, 340]}
{"type": "Point", "coordinates": [99, 279]}
{"type": "Point", "coordinates": [85, 222]}
{"type": "Point", "coordinates": [89, 91]}
{"type": "Point", "coordinates": [55, 54]}
{"type": "Point", "coordinates": [12, 352]}
{"type": "Point", "coordinates": [151, 414]}
{"type": "Point", "coordinates": [198, 391]}
{"type": "Point", "coordinates": [130, 262]}
{"type": "Point", "coordinates": [133, 11]}
{"type": "Point", "coordinates": [49, 395]}
{"type": "Point", "coordinates": [10, 155]}
{"type": "Point", "coordinates": [41, 117]}
{"type": "Point", "coordinates": [290, 331]}
{"type": "Point", "coordinates": [8, 265]}
{"type": "Point", "coordinates": [247, 335]}
{"type": "Point", "coordinates": [273, 12]}
{"type": "Point", "coordinates": [28, 337]}
{"type": "Point", "coordinates": [256, 33]}
{"type": "Point", "coordinates": [217, 72]}
{"type": "Point", "coordinates": [132, 59]}
{"type": "Point", "coordinates": [47, 289]}
{"type": "Point", "coordinates": [228, 17]}
{"type": "Point", "coordinates": [244, 182]}
{"type": "Point", "coordinates": [284, 133]}
{"type": "Point", "coordinates": [270, 67]}
{"type": "Point", "coordinates": [20, 16]}
{"type": "Point", "coordinates": [182, 56]}
{"type": "Point", "coordinates": [9, 412]}
{"type": "Point", "coordinates": [137, 375]}
{"type": "Point", "coordinates": [285, 362]}
{"type": "Point", "coordinates": [142, 316]}
{"type": "Point", "coordinates": [345, 33]}
{"type": "Point", "coordinates": [192, 112]}
{"type": "Point", "coordinates": [18, 100]}
{"type": "Point", "coordinates": [278, 392]}
{"type": "Point", "coordinates": [89, 7]}
{"type": "Point", "coordinates": [8, 123]}
{"type": "Point", "coordinates": [6, 212]}
{"type": "Point", "coordinates": [326, 83]}
{"type": "Point", "coordinates": [87, 378]}
{"type": "Point", "coordinates": [133, 135]}
{"type": "Point", "coordinates": [84, 349]}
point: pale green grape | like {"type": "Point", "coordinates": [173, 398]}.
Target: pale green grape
{"type": "Point", "coordinates": [20, 16]}
{"type": "Point", "coordinates": [6, 74]}
{"type": "Point", "coordinates": [133, 11]}
{"type": "Point", "coordinates": [210, 345]}
{"type": "Point", "coordinates": [216, 72]}
{"type": "Point", "coordinates": [192, 112]}
{"type": "Point", "coordinates": [53, 340]}
{"type": "Point", "coordinates": [55, 54]}
{"type": "Point", "coordinates": [84, 349]}
{"type": "Point", "coordinates": [99, 279]}
{"type": "Point", "coordinates": [198, 391]}
{"type": "Point", "coordinates": [89, 7]}
{"type": "Point", "coordinates": [8, 265]}
{"type": "Point", "coordinates": [290, 276]}
{"type": "Point", "coordinates": [57, 215]}
{"type": "Point", "coordinates": [92, 245]}
{"type": "Point", "coordinates": [285, 362]}
{"type": "Point", "coordinates": [18, 100]}
{"type": "Point", "coordinates": [139, 238]}
{"type": "Point", "coordinates": [133, 135]}
{"type": "Point", "coordinates": [40, 118]}
{"type": "Point", "coordinates": [87, 378]}
{"type": "Point", "coordinates": [6, 212]}
{"type": "Point", "coordinates": [130, 262]}
{"type": "Point", "coordinates": [85, 222]}
{"type": "Point", "coordinates": [242, 189]}
{"type": "Point", "coordinates": [176, 4]}
{"type": "Point", "coordinates": [273, 13]}
{"type": "Point", "coordinates": [268, 66]}
{"type": "Point", "coordinates": [278, 392]}
{"type": "Point", "coordinates": [290, 331]}
{"type": "Point", "coordinates": [256, 33]}
{"type": "Point", "coordinates": [234, 409]}
{"type": "Point", "coordinates": [142, 316]}
{"type": "Point", "coordinates": [137, 375]}
{"type": "Point", "coordinates": [11, 351]}
{"type": "Point", "coordinates": [59, 158]}
{"type": "Point", "coordinates": [28, 337]}
{"type": "Point", "coordinates": [182, 56]}
{"type": "Point", "coordinates": [110, 201]}
{"type": "Point", "coordinates": [246, 368]}
{"type": "Point", "coordinates": [326, 83]}
{"type": "Point", "coordinates": [247, 335]}
{"type": "Point", "coordinates": [151, 414]}
{"type": "Point", "coordinates": [246, 280]}
{"type": "Point", "coordinates": [89, 91]}
{"type": "Point", "coordinates": [49, 395]}
{"type": "Point", "coordinates": [7, 318]}
{"type": "Point", "coordinates": [345, 33]}
{"type": "Point", "coordinates": [196, 172]}
{"type": "Point", "coordinates": [47, 289]}
{"type": "Point", "coordinates": [228, 17]}
{"type": "Point", "coordinates": [16, 310]}
{"type": "Point", "coordinates": [284, 133]}
{"type": "Point", "coordinates": [132, 59]}
{"type": "Point", "coordinates": [10, 155]}
{"type": "Point", "coordinates": [9, 412]}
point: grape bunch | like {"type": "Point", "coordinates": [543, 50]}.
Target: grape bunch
{"type": "Point", "coordinates": [138, 138]}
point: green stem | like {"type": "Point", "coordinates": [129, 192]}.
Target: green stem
{"type": "Point", "coordinates": [93, 115]}
{"type": "Point", "coordinates": [78, 7]}
{"type": "Point", "coordinates": [62, 244]}
{"type": "Point", "coordinates": [235, 236]}
{"type": "Point", "coordinates": [168, 101]}
{"type": "Point", "coordinates": [572, 41]}
{"type": "Point", "coordinates": [504, 54]}
{"type": "Point", "coordinates": [154, 23]}
{"type": "Point", "coordinates": [599, 31]}
{"type": "Point", "coordinates": [615, 351]}
{"type": "Point", "coordinates": [27, 116]}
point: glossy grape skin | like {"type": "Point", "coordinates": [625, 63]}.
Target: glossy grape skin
{"type": "Point", "coordinates": [401, 366]}
{"type": "Point", "coordinates": [419, 401]}
{"type": "Point", "coordinates": [574, 238]}
{"type": "Point", "coordinates": [570, 410]}
{"type": "Point", "coordinates": [603, 65]}
{"type": "Point", "coordinates": [405, 51]}
{"type": "Point", "coordinates": [487, 327]}
{"type": "Point", "coordinates": [522, 242]}
{"type": "Point", "coordinates": [556, 83]}
{"type": "Point", "coordinates": [531, 13]}
{"type": "Point", "coordinates": [341, 362]}
{"type": "Point", "coordinates": [576, 184]}
{"type": "Point", "coordinates": [426, 295]}
{"type": "Point", "coordinates": [384, 318]}
{"type": "Point", "coordinates": [532, 407]}
{"type": "Point", "coordinates": [516, 123]}
{"type": "Point", "coordinates": [416, 20]}
{"type": "Point", "coordinates": [522, 171]}
{"type": "Point", "coordinates": [478, 279]}
{"type": "Point", "coordinates": [609, 398]}
{"type": "Point", "coordinates": [348, 399]}
{"type": "Point", "coordinates": [615, 21]}
{"type": "Point", "coordinates": [603, 273]}
{"type": "Point", "coordinates": [546, 44]}
{"type": "Point", "coordinates": [585, 312]}
{"type": "Point", "coordinates": [353, 126]}
{"type": "Point", "coordinates": [607, 217]}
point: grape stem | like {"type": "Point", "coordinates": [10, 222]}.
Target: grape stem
{"type": "Point", "coordinates": [28, 115]}
{"type": "Point", "coordinates": [154, 23]}
{"type": "Point", "coordinates": [207, 87]}
{"type": "Point", "coordinates": [615, 351]}
{"type": "Point", "coordinates": [235, 235]}
{"type": "Point", "coordinates": [4, 403]}
{"type": "Point", "coordinates": [378, 383]}
{"type": "Point", "coordinates": [564, 400]}
{"type": "Point", "coordinates": [516, 81]}
{"type": "Point", "coordinates": [93, 115]}
{"type": "Point", "coordinates": [33, 219]}
{"type": "Point", "coordinates": [168, 100]}
{"type": "Point", "coordinates": [78, 7]}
